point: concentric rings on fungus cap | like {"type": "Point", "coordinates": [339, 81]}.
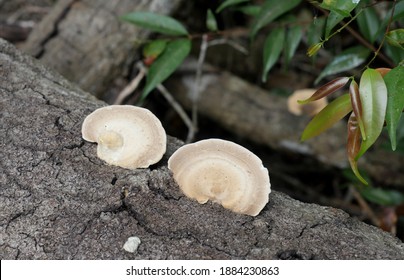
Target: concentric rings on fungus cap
{"type": "Point", "coordinates": [127, 136]}
{"type": "Point", "coordinates": [224, 172]}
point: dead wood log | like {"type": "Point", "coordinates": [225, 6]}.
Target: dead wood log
{"type": "Point", "coordinates": [263, 117]}
{"type": "Point", "coordinates": [85, 41]}
{"type": "Point", "coordinates": [59, 201]}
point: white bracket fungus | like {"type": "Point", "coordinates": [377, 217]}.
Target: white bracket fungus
{"type": "Point", "coordinates": [223, 172]}
{"type": "Point", "coordinates": [127, 136]}
{"type": "Point", "coordinates": [309, 109]}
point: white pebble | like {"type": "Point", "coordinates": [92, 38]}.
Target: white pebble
{"type": "Point", "coordinates": [131, 244]}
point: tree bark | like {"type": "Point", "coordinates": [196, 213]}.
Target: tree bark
{"type": "Point", "coordinates": [263, 117]}
{"type": "Point", "coordinates": [59, 201]}
{"type": "Point", "coordinates": [86, 42]}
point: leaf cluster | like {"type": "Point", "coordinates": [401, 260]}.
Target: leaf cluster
{"type": "Point", "coordinates": [376, 100]}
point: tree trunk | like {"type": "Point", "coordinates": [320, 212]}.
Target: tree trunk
{"type": "Point", "coordinates": [86, 42]}
{"type": "Point", "coordinates": [59, 201]}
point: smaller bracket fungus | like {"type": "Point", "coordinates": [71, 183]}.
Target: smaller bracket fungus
{"type": "Point", "coordinates": [127, 136]}
{"type": "Point", "coordinates": [224, 172]}
{"type": "Point", "coordinates": [309, 109]}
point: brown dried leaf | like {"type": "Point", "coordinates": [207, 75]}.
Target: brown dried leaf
{"type": "Point", "coordinates": [327, 89]}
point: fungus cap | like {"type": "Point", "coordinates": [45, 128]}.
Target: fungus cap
{"type": "Point", "coordinates": [127, 136]}
{"type": "Point", "coordinates": [309, 109]}
{"type": "Point", "coordinates": [224, 172]}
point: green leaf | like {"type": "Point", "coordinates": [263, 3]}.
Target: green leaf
{"type": "Point", "coordinates": [272, 50]}
{"type": "Point", "coordinates": [339, 9]}
{"type": "Point", "coordinates": [293, 37]}
{"type": "Point", "coordinates": [229, 3]}
{"type": "Point", "coordinates": [154, 48]}
{"type": "Point", "coordinates": [348, 59]}
{"type": "Point", "coordinates": [343, 7]}
{"type": "Point", "coordinates": [315, 31]}
{"type": "Point", "coordinates": [175, 52]}
{"type": "Point", "coordinates": [269, 12]}
{"type": "Point", "coordinates": [396, 38]}
{"type": "Point", "coordinates": [155, 22]}
{"type": "Point", "coordinates": [369, 23]}
{"type": "Point", "coordinates": [396, 54]}
{"type": "Point", "coordinates": [250, 10]}
{"type": "Point", "coordinates": [327, 117]}
{"type": "Point", "coordinates": [373, 95]}
{"type": "Point", "coordinates": [332, 20]}
{"type": "Point", "coordinates": [211, 23]}
{"type": "Point", "coordinates": [398, 14]}
{"type": "Point", "coordinates": [383, 197]}
{"type": "Point", "coordinates": [395, 104]}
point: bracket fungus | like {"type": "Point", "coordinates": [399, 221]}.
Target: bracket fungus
{"type": "Point", "coordinates": [127, 136]}
{"type": "Point", "coordinates": [224, 172]}
{"type": "Point", "coordinates": [309, 109]}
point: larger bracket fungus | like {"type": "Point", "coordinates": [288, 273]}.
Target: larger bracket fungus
{"type": "Point", "coordinates": [127, 136]}
{"type": "Point", "coordinates": [224, 172]}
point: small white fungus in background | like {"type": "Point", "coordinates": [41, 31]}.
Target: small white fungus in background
{"type": "Point", "coordinates": [131, 244]}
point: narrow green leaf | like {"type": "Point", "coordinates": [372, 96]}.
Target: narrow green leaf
{"type": "Point", "coordinates": [293, 38]}
{"type": "Point", "coordinates": [398, 15]}
{"type": "Point", "coordinates": [343, 7]}
{"type": "Point", "coordinates": [229, 3]}
{"type": "Point", "coordinates": [272, 50]}
{"type": "Point", "coordinates": [332, 20]}
{"type": "Point", "coordinates": [154, 48]}
{"type": "Point", "coordinates": [348, 59]}
{"type": "Point", "coordinates": [353, 145]}
{"type": "Point", "coordinates": [155, 22]}
{"type": "Point", "coordinates": [315, 31]}
{"type": "Point", "coordinates": [369, 23]}
{"type": "Point", "coordinates": [327, 117]}
{"type": "Point", "coordinates": [250, 10]}
{"type": "Point", "coordinates": [211, 23]}
{"type": "Point", "coordinates": [396, 38]}
{"type": "Point", "coordinates": [270, 11]}
{"type": "Point", "coordinates": [396, 54]}
{"type": "Point", "coordinates": [175, 52]}
{"type": "Point", "coordinates": [373, 95]}
{"type": "Point", "coordinates": [395, 104]}
{"type": "Point", "coordinates": [383, 197]}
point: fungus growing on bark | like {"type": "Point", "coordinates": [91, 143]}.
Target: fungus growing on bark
{"type": "Point", "coordinates": [127, 136]}
{"type": "Point", "coordinates": [223, 172]}
{"type": "Point", "coordinates": [309, 109]}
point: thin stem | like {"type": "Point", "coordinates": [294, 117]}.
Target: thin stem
{"type": "Point", "coordinates": [376, 53]}
{"type": "Point", "coordinates": [131, 86]}
{"type": "Point", "coordinates": [176, 106]}
{"type": "Point", "coordinates": [355, 34]}
{"type": "Point", "coordinates": [196, 90]}
{"type": "Point", "coordinates": [229, 42]}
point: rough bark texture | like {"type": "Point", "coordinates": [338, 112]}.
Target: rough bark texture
{"type": "Point", "coordinates": [59, 201]}
{"type": "Point", "coordinates": [85, 41]}
{"type": "Point", "coordinates": [262, 117]}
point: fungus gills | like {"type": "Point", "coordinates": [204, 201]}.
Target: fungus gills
{"type": "Point", "coordinates": [127, 136]}
{"type": "Point", "coordinates": [223, 172]}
